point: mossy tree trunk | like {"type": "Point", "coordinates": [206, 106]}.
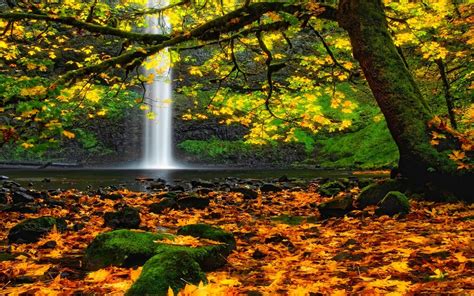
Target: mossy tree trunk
{"type": "Point", "coordinates": [397, 94]}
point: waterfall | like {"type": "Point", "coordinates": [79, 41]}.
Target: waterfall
{"type": "Point", "coordinates": [157, 136]}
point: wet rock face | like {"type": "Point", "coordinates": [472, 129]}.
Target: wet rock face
{"type": "Point", "coordinates": [31, 230]}
{"type": "Point", "coordinates": [125, 218]}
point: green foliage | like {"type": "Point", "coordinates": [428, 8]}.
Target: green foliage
{"type": "Point", "coordinates": [368, 148]}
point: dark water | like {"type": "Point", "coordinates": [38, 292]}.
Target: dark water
{"type": "Point", "coordinates": [93, 178]}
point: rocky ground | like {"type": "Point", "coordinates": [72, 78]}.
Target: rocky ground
{"type": "Point", "coordinates": [240, 236]}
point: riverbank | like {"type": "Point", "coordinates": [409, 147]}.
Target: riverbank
{"type": "Point", "coordinates": [287, 241]}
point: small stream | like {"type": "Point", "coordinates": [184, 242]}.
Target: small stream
{"type": "Point", "coordinates": [83, 179]}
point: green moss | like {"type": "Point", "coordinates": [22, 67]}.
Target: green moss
{"type": "Point", "coordinates": [31, 230]}
{"type": "Point", "coordinates": [374, 193]}
{"type": "Point", "coordinates": [208, 257]}
{"type": "Point", "coordinates": [209, 232]}
{"type": "Point", "coordinates": [172, 268]}
{"type": "Point", "coordinates": [375, 147]}
{"type": "Point", "coordinates": [393, 203]}
{"type": "Point", "coordinates": [121, 248]}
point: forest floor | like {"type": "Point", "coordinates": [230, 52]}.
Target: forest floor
{"type": "Point", "coordinates": [283, 247]}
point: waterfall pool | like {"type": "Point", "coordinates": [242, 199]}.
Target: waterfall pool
{"type": "Point", "coordinates": [83, 179]}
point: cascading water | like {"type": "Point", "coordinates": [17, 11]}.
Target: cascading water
{"type": "Point", "coordinates": [157, 136]}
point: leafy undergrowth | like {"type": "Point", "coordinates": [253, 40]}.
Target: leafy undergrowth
{"type": "Point", "coordinates": [282, 248]}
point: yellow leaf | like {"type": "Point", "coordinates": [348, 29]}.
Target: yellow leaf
{"type": "Point", "coordinates": [400, 266]}
{"type": "Point", "coordinates": [98, 276]}
{"type": "Point", "coordinates": [27, 145]}
{"type": "Point", "coordinates": [69, 135]}
{"type": "Point", "coordinates": [457, 155]}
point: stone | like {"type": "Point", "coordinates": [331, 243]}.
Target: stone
{"type": "Point", "coordinates": [162, 205]}
{"type": "Point", "coordinates": [331, 188]}
{"type": "Point", "coordinates": [203, 184]}
{"type": "Point", "coordinates": [171, 269]}
{"type": "Point", "coordinates": [193, 201]}
{"type": "Point", "coordinates": [3, 178]}
{"type": "Point", "coordinates": [269, 187]}
{"type": "Point", "coordinates": [20, 208]}
{"type": "Point", "coordinates": [31, 230]}
{"type": "Point", "coordinates": [21, 197]}
{"type": "Point", "coordinates": [112, 196]}
{"type": "Point", "coordinates": [3, 197]}
{"type": "Point", "coordinates": [126, 217]}
{"type": "Point", "coordinates": [393, 203]}
{"type": "Point", "coordinates": [209, 232]}
{"type": "Point", "coordinates": [336, 207]}
{"type": "Point", "coordinates": [246, 192]}
{"type": "Point", "coordinates": [125, 248]}
{"type": "Point", "coordinates": [374, 193]}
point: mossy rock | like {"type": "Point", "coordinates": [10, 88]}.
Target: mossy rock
{"type": "Point", "coordinates": [336, 207]}
{"type": "Point", "coordinates": [374, 193]}
{"type": "Point", "coordinates": [209, 232]}
{"type": "Point", "coordinates": [121, 248]}
{"type": "Point", "coordinates": [31, 230]}
{"type": "Point", "coordinates": [331, 188]}
{"type": "Point", "coordinates": [124, 218]}
{"type": "Point", "coordinates": [209, 258]}
{"type": "Point", "coordinates": [393, 203]}
{"type": "Point", "coordinates": [169, 269]}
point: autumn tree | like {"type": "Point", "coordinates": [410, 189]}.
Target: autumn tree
{"type": "Point", "coordinates": [250, 36]}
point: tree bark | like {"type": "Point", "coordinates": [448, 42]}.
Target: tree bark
{"type": "Point", "coordinates": [399, 98]}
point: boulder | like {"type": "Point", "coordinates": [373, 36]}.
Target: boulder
{"type": "Point", "coordinates": [201, 183]}
{"type": "Point", "coordinates": [393, 203]}
{"type": "Point", "coordinates": [123, 247]}
{"type": "Point", "coordinates": [126, 217]}
{"type": "Point", "coordinates": [165, 203]}
{"type": "Point", "coordinates": [21, 197]}
{"type": "Point", "coordinates": [246, 192]}
{"type": "Point", "coordinates": [336, 207]}
{"type": "Point", "coordinates": [112, 196]}
{"type": "Point", "coordinates": [209, 232]}
{"type": "Point", "coordinates": [193, 201]}
{"type": "Point", "coordinates": [269, 187]}
{"type": "Point", "coordinates": [3, 197]}
{"type": "Point", "coordinates": [374, 193]}
{"type": "Point", "coordinates": [331, 188]}
{"type": "Point", "coordinates": [31, 230]}
{"type": "Point", "coordinates": [170, 269]}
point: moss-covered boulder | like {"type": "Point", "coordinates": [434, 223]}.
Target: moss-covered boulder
{"type": "Point", "coordinates": [121, 248]}
{"type": "Point", "coordinates": [336, 207]}
{"type": "Point", "coordinates": [171, 269]}
{"type": "Point", "coordinates": [209, 257]}
{"type": "Point", "coordinates": [331, 188]}
{"type": "Point", "coordinates": [374, 193]}
{"type": "Point", "coordinates": [31, 230]}
{"type": "Point", "coordinates": [209, 232]}
{"type": "Point", "coordinates": [393, 203]}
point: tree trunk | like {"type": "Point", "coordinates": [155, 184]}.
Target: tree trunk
{"type": "Point", "coordinates": [398, 96]}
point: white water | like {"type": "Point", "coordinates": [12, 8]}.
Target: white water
{"type": "Point", "coordinates": [157, 136]}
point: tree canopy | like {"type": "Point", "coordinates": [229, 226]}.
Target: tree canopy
{"type": "Point", "coordinates": [282, 68]}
